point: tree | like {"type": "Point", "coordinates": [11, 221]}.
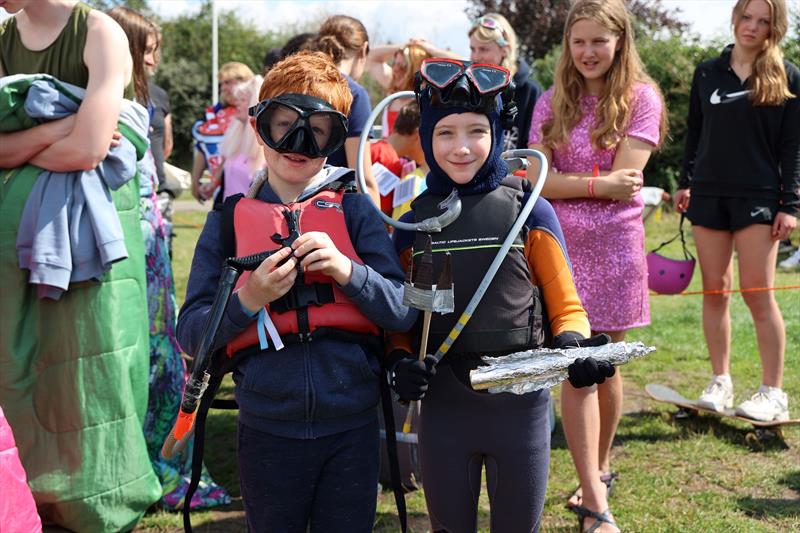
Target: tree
{"type": "Point", "coordinates": [137, 5]}
{"type": "Point", "coordinates": [539, 24]}
{"type": "Point", "coordinates": [185, 68]}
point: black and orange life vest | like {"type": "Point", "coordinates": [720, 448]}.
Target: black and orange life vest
{"type": "Point", "coordinates": [316, 302]}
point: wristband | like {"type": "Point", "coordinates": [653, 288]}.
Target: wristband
{"type": "Point", "coordinates": [590, 187]}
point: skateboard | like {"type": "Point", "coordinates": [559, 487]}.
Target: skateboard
{"type": "Point", "coordinates": [763, 430]}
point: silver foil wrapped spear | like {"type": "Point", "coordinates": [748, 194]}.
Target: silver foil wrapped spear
{"type": "Point", "coordinates": [534, 370]}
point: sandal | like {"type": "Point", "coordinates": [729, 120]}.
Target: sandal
{"type": "Point", "coordinates": [609, 479]}
{"type": "Point", "coordinates": [600, 518]}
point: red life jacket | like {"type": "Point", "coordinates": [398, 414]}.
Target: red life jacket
{"type": "Point", "coordinates": [317, 302]}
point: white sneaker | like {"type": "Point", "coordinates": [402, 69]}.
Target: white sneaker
{"type": "Point", "coordinates": [792, 262]}
{"type": "Point", "coordinates": [768, 404]}
{"type": "Point", "coordinates": [718, 396]}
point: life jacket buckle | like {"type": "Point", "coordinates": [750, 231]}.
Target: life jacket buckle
{"type": "Point", "coordinates": [303, 295]}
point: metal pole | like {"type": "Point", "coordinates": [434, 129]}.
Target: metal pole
{"type": "Point", "coordinates": [214, 53]}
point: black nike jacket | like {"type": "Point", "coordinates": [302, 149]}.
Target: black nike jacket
{"type": "Point", "coordinates": [736, 149]}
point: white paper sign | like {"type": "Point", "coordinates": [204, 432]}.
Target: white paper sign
{"type": "Point", "coordinates": [404, 191]}
{"type": "Point", "coordinates": [386, 179]}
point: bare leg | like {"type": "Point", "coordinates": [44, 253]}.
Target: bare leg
{"type": "Point", "coordinates": [715, 251]}
{"type": "Point", "coordinates": [609, 396]}
{"type": "Point", "coordinates": [580, 415]}
{"type": "Point", "coordinates": [756, 254]}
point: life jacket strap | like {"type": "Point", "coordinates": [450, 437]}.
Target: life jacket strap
{"type": "Point", "coordinates": [302, 295]}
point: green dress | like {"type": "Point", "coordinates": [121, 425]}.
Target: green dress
{"type": "Point", "coordinates": [74, 372]}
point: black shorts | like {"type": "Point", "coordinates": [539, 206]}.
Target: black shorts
{"type": "Point", "coordinates": [730, 213]}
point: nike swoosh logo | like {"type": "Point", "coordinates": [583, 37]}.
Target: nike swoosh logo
{"type": "Point", "coordinates": [717, 98]}
{"type": "Point", "coordinates": [759, 210]}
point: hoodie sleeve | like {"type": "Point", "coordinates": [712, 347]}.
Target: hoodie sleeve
{"type": "Point", "coordinates": [694, 126]}
{"type": "Point", "coordinates": [376, 287]}
{"type": "Point", "coordinates": [201, 288]}
{"type": "Point", "coordinates": [789, 149]}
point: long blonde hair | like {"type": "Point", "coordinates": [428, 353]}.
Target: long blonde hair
{"type": "Point", "coordinates": [490, 35]}
{"type": "Point", "coordinates": [413, 55]}
{"type": "Point", "coordinates": [614, 105]}
{"type": "Point", "coordinates": [769, 85]}
{"type": "Point", "coordinates": [239, 137]}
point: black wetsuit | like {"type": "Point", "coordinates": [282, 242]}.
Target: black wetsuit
{"type": "Point", "coordinates": [462, 430]}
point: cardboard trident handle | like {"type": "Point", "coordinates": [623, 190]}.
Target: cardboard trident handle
{"type": "Point", "coordinates": [420, 292]}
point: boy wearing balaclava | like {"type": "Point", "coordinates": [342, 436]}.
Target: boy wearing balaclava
{"type": "Point", "coordinates": [531, 302]}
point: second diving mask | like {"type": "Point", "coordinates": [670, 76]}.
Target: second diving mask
{"type": "Point", "coordinates": [455, 83]}
{"type": "Point", "coordinates": [300, 124]}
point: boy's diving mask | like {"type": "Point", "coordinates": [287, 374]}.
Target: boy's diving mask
{"type": "Point", "coordinates": [300, 124]}
{"type": "Point", "coordinates": [473, 86]}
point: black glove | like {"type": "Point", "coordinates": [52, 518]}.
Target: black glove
{"type": "Point", "coordinates": [410, 376]}
{"type": "Point", "coordinates": [585, 372]}
{"type": "Point", "coordinates": [572, 339]}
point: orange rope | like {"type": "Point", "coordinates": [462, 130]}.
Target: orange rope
{"type": "Point", "coordinates": [730, 291]}
{"type": "Point", "coordinates": [176, 219]}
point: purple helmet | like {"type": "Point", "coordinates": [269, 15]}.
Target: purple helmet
{"type": "Point", "coordinates": [668, 276]}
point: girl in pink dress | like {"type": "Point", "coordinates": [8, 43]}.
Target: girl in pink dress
{"type": "Point", "coordinates": [598, 125]}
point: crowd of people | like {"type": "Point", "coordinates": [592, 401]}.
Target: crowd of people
{"type": "Point", "coordinates": [91, 341]}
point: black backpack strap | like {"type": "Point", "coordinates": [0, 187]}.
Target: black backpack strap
{"type": "Point", "coordinates": [197, 450]}
{"type": "Point", "coordinates": [227, 234]}
{"type": "Point", "coordinates": [391, 449]}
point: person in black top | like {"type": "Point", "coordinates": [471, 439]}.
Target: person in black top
{"type": "Point", "coordinates": [742, 172]}
{"type": "Point", "coordinates": [160, 130]}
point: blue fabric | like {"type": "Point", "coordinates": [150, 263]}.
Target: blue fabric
{"type": "Point", "coordinates": [356, 120]}
{"type": "Point", "coordinates": [305, 390]}
{"type": "Point", "coordinates": [330, 482]}
{"type": "Point", "coordinates": [70, 230]}
{"type": "Point", "coordinates": [488, 176]}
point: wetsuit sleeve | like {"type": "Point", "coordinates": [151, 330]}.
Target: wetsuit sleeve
{"type": "Point", "coordinates": [551, 272]}
{"type": "Point", "coordinates": [201, 288]}
{"type": "Point", "coordinates": [694, 127]}
{"type": "Point", "coordinates": [790, 147]}
{"type": "Point", "coordinates": [376, 286]}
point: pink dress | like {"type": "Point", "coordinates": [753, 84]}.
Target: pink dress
{"type": "Point", "coordinates": [605, 238]}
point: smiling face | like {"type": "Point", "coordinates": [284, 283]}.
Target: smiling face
{"type": "Point", "coordinates": [486, 52]}
{"type": "Point", "coordinates": [461, 144]}
{"type": "Point", "coordinates": [592, 48]}
{"type": "Point", "coordinates": [751, 29]}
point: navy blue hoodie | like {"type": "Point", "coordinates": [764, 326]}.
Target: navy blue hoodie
{"type": "Point", "coordinates": [315, 389]}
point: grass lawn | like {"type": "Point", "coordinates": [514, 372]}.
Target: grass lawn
{"type": "Point", "coordinates": [701, 474]}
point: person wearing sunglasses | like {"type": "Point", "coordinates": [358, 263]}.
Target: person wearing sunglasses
{"type": "Point", "coordinates": [304, 328]}
{"type": "Point", "coordinates": [493, 40]}
{"type": "Point", "coordinates": [394, 67]}
{"type": "Point", "coordinates": [463, 110]}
